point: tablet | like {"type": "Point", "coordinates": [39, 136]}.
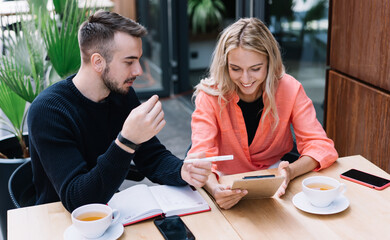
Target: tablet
{"type": "Point", "coordinates": [259, 187]}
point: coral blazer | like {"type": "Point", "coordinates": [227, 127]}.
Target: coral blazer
{"type": "Point", "coordinates": [222, 131]}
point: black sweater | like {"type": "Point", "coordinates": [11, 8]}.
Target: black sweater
{"type": "Point", "coordinates": [73, 153]}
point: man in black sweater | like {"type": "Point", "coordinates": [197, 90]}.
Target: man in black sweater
{"type": "Point", "coordinates": [85, 130]}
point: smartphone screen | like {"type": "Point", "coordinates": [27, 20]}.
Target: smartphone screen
{"type": "Point", "coordinates": [173, 228]}
{"type": "Point", "coordinates": [366, 179]}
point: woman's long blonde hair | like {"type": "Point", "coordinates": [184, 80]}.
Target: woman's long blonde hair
{"type": "Point", "coordinates": [250, 34]}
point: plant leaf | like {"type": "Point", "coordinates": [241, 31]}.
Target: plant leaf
{"type": "Point", "coordinates": [61, 39]}
{"type": "Point", "coordinates": [59, 6]}
{"type": "Point", "coordinates": [23, 67]}
{"type": "Point", "coordinates": [36, 5]}
{"type": "Point", "coordinates": [204, 14]}
{"type": "Point", "coordinates": [13, 107]}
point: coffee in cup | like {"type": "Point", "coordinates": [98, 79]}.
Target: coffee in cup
{"type": "Point", "coordinates": [92, 220]}
{"type": "Point", "coordinates": [91, 216]}
{"type": "Point", "coordinates": [321, 191]}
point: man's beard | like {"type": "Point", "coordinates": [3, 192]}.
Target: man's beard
{"type": "Point", "coordinates": [112, 85]}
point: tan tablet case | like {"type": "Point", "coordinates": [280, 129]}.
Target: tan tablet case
{"type": "Point", "coordinates": [259, 187]}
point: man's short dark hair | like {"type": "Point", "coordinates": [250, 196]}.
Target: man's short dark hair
{"type": "Point", "coordinates": [96, 34]}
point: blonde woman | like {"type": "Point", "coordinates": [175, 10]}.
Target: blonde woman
{"type": "Point", "coordinates": [245, 108]}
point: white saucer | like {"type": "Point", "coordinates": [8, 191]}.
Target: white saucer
{"type": "Point", "coordinates": [340, 204]}
{"type": "Point", "coordinates": [112, 233]}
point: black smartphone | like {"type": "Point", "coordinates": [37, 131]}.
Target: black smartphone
{"type": "Point", "coordinates": [173, 228]}
{"type": "Point", "coordinates": [366, 179]}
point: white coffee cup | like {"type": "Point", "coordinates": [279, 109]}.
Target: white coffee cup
{"type": "Point", "coordinates": [92, 220]}
{"type": "Point", "coordinates": [321, 191]}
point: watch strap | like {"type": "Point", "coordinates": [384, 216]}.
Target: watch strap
{"type": "Point", "coordinates": [127, 142]}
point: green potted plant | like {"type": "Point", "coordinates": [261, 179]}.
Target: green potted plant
{"type": "Point", "coordinates": [43, 50]}
{"type": "Point", "coordinates": [21, 71]}
{"type": "Point", "coordinates": [205, 22]}
{"type": "Point", "coordinates": [46, 51]}
{"type": "Point", "coordinates": [205, 15]}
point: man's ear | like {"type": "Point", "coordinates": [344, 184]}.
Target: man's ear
{"type": "Point", "coordinates": [98, 62]}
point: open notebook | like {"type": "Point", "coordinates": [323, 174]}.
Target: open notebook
{"type": "Point", "coordinates": [141, 202]}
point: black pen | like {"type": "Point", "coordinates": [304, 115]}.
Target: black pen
{"type": "Point", "coordinates": [259, 176]}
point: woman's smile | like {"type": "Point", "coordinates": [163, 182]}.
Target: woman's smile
{"type": "Point", "coordinates": [248, 70]}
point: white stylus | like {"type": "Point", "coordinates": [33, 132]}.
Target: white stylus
{"type": "Point", "coordinates": [210, 159]}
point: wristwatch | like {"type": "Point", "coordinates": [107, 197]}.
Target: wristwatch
{"type": "Point", "coordinates": [128, 143]}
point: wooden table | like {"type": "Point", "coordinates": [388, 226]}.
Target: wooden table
{"type": "Point", "coordinates": [368, 215]}
{"type": "Point", "coordinates": [49, 221]}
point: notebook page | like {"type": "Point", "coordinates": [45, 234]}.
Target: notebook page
{"type": "Point", "coordinates": [134, 203]}
{"type": "Point", "coordinates": [178, 200]}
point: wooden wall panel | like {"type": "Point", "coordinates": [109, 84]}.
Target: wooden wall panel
{"type": "Point", "coordinates": [126, 8]}
{"type": "Point", "coordinates": [360, 40]}
{"type": "Point", "coordinates": [358, 120]}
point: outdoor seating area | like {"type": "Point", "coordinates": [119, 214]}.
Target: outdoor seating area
{"type": "Point", "coordinates": [176, 135]}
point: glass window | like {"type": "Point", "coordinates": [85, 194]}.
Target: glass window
{"type": "Point", "coordinates": [301, 27]}
{"type": "Point", "coordinates": [150, 16]}
{"type": "Point", "coordinates": [203, 34]}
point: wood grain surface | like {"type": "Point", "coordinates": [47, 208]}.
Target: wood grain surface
{"type": "Point", "coordinates": [360, 40]}
{"type": "Point", "coordinates": [49, 222]}
{"type": "Point", "coordinates": [367, 216]}
{"type": "Point", "coordinates": [358, 120]}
